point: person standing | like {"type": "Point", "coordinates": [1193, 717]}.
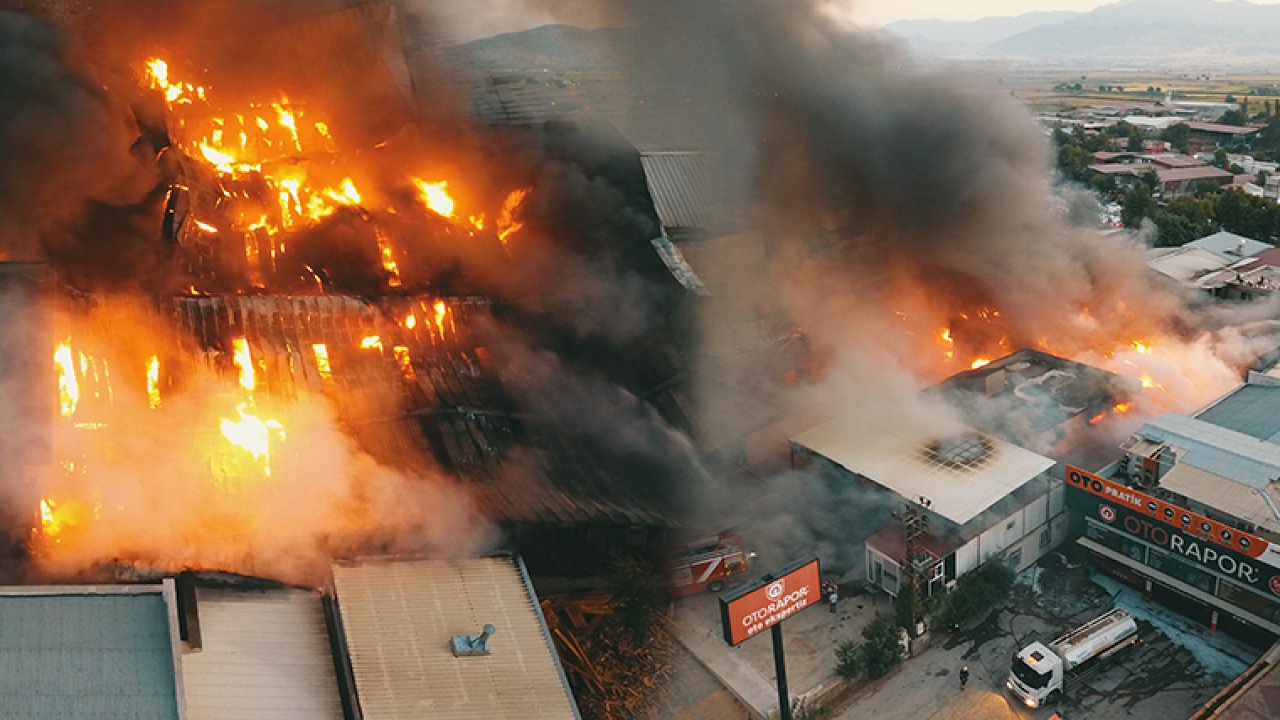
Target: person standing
{"type": "Point", "coordinates": [964, 676]}
{"type": "Point", "coordinates": [833, 594]}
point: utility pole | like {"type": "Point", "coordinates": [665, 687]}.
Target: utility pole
{"type": "Point", "coordinates": [915, 525]}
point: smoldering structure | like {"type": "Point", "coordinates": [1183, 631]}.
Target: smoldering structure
{"type": "Point", "coordinates": [328, 322]}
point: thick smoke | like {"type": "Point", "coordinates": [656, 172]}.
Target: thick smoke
{"type": "Point", "coordinates": [64, 138]}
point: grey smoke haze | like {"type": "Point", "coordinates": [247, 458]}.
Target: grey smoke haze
{"type": "Point", "coordinates": [64, 139]}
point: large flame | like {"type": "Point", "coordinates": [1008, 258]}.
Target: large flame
{"type": "Point", "coordinates": [252, 434]}
{"type": "Point", "coordinates": [244, 361]}
{"type": "Point", "coordinates": [68, 386]}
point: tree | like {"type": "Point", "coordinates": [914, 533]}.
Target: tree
{"type": "Point", "coordinates": [1220, 158]}
{"type": "Point", "coordinates": [1233, 117]}
{"type": "Point", "coordinates": [981, 589]}
{"type": "Point", "coordinates": [877, 654]}
{"type": "Point", "coordinates": [1138, 204]}
{"type": "Point", "coordinates": [1179, 136]}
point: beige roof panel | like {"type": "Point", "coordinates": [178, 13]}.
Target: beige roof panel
{"type": "Point", "coordinates": [265, 655]}
{"type": "Point", "coordinates": [399, 618]}
{"type": "Point", "coordinates": [896, 456]}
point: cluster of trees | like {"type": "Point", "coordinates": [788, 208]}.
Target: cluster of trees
{"type": "Point", "coordinates": [1186, 218]}
{"type": "Point", "coordinates": [978, 591]}
{"type": "Point", "coordinates": [1181, 219]}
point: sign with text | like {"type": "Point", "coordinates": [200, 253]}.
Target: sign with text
{"type": "Point", "coordinates": [758, 607]}
{"type": "Point", "coordinates": [1226, 550]}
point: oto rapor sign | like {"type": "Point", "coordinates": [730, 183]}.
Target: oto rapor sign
{"type": "Point", "coordinates": [1220, 548]}
{"type": "Point", "coordinates": [758, 607]}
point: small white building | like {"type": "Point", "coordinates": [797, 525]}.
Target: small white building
{"type": "Point", "coordinates": [983, 497]}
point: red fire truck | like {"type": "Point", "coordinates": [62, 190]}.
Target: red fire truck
{"type": "Point", "coordinates": [707, 564]}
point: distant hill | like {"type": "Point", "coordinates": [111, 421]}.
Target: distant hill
{"type": "Point", "coordinates": [549, 47]}
{"type": "Point", "coordinates": [1201, 31]}
{"type": "Point", "coordinates": [966, 39]}
{"type": "Point", "coordinates": [1143, 31]}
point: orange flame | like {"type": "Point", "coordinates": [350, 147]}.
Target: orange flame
{"type": "Point", "coordinates": [442, 313]}
{"type": "Point", "coordinates": [370, 342]}
{"type": "Point", "coordinates": [68, 385]}
{"type": "Point", "coordinates": [507, 224]}
{"type": "Point", "coordinates": [979, 362]}
{"type": "Point", "coordinates": [405, 361]}
{"type": "Point", "coordinates": [321, 352]}
{"type": "Point", "coordinates": [153, 382]}
{"type": "Point", "coordinates": [244, 361]}
{"type": "Point", "coordinates": [436, 198]}
{"type": "Point", "coordinates": [252, 434]}
{"type": "Point", "coordinates": [1122, 408]}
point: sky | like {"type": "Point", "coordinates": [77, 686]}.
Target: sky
{"type": "Point", "coordinates": [471, 19]}
{"type": "Point", "coordinates": [881, 12]}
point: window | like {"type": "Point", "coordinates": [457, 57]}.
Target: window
{"type": "Point", "coordinates": [1015, 558]}
{"type": "Point", "coordinates": [1046, 538]}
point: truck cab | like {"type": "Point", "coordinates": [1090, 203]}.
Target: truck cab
{"type": "Point", "coordinates": [1038, 671]}
{"type": "Point", "coordinates": [1036, 675]}
{"type": "Point", "coordinates": [707, 564]}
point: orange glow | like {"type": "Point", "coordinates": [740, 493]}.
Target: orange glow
{"type": "Point", "coordinates": [68, 385]}
{"type": "Point", "coordinates": [1122, 408]}
{"type": "Point", "coordinates": [321, 353]}
{"type": "Point", "coordinates": [370, 342]}
{"type": "Point", "coordinates": [404, 360]}
{"type": "Point", "coordinates": [1142, 347]}
{"type": "Point", "coordinates": [507, 224]}
{"type": "Point", "coordinates": [1149, 383]}
{"type": "Point", "coordinates": [410, 321]}
{"type": "Point", "coordinates": [442, 313]}
{"type": "Point", "coordinates": [1098, 418]}
{"type": "Point", "coordinates": [252, 434]}
{"type": "Point", "coordinates": [153, 382]}
{"type": "Point", "coordinates": [435, 196]}
{"type": "Point", "coordinates": [244, 361]}
{"type": "Point", "coordinates": [205, 226]}
{"type": "Point", "coordinates": [979, 362]}
{"type": "Point", "coordinates": [50, 523]}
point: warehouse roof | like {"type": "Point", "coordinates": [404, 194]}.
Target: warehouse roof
{"type": "Point", "coordinates": [87, 652]}
{"type": "Point", "coordinates": [264, 653]}
{"type": "Point", "coordinates": [399, 618]}
{"type": "Point", "coordinates": [961, 471]}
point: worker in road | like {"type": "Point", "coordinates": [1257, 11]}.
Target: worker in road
{"type": "Point", "coordinates": [964, 676]}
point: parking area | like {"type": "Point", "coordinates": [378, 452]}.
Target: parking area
{"type": "Point", "coordinates": [1176, 668]}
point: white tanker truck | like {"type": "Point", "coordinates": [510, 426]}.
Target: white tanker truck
{"type": "Point", "coordinates": [1039, 671]}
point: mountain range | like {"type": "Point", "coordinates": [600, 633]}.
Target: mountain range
{"type": "Point", "coordinates": [1154, 33]}
{"type": "Point", "coordinates": [1142, 31]}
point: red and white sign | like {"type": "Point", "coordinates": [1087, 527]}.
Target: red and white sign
{"type": "Point", "coordinates": [759, 607]}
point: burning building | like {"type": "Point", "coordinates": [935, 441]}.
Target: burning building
{"type": "Point", "coordinates": [340, 322]}
{"type": "Point", "coordinates": [973, 496]}
{"type": "Point", "coordinates": [1045, 403]}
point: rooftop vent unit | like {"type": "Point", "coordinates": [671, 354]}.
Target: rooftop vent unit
{"type": "Point", "coordinates": [966, 451]}
{"type": "Point", "coordinates": [473, 645]}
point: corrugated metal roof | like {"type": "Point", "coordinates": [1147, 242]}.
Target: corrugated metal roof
{"type": "Point", "coordinates": [1219, 450]}
{"type": "Point", "coordinates": [1252, 409]}
{"type": "Point", "coordinates": [86, 656]}
{"type": "Point", "coordinates": [399, 617]}
{"type": "Point", "coordinates": [893, 455]}
{"type": "Point", "coordinates": [1186, 263]}
{"type": "Point", "coordinates": [1220, 493]}
{"type": "Point", "coordinates": [1227, 245]}
{"type": "Point", "coordinates": [680, 183]}
{"type": "Point", "coordinates": [265, 655]}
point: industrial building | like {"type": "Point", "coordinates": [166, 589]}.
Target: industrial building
{"type": "Point", "coordinates": [1191, 514]}
{"type": "Point", "coordinates": [400, 639]}
{"type": "Point", "coordinates": [973, 496]}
